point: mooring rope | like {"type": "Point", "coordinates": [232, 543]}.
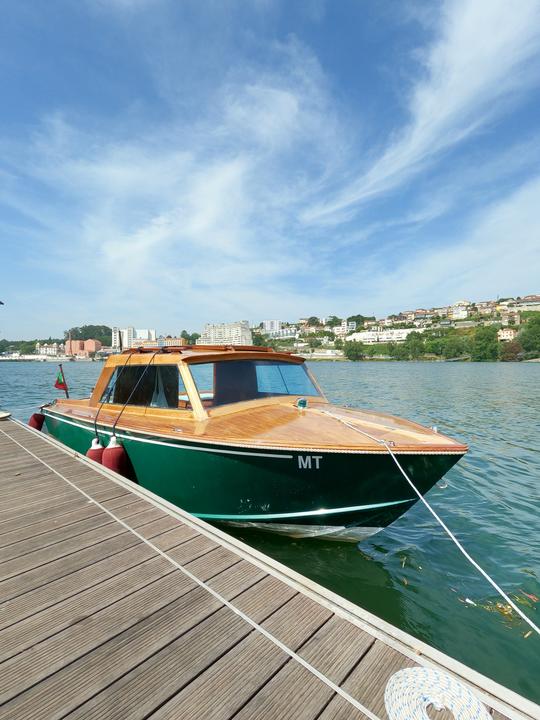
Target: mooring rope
{"type": "Point", "coordinates": [441, 522]}
{"type": "Point", "coordinates": [410, 692]}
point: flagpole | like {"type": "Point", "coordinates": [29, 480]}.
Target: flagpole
{"type": "Point", "coordinates": [64, 380]}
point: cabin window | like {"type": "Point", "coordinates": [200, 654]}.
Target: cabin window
{"type": "Point", "coordinates": [231, 381]}
{"type": "Point", "coordinates": [156, 386]}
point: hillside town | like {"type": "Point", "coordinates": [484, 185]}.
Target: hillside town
{"type": "Point", "coordinates": [318, 338]}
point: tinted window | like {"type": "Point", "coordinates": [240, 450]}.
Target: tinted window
{"type": "Point", "coordinates": [145, 385]}
{"type": "Point", "coordinates": [232, 381]}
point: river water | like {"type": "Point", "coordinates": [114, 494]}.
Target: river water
{"type": "Point", "coordinates": [411, 574]}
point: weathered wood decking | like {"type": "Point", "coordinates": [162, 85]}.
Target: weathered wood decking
{"type": "Point", "coordinates": [115, 605]}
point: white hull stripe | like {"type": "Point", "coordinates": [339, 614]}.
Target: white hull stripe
{"type": "Point", "coordinates": [306, 513]}
{"type": "Point", "coordinates": [186, 444]}
{"type": "Point", "coordinates": [178, 446]}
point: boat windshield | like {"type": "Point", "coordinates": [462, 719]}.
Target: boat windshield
{"type": "Point", "coordinates": [156, 386]}
{"type": "Point", "coordinates": [231, 381]}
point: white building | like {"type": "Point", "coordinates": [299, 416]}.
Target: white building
{"type": "Point", "coordinates": [370, 337]}
{"type": "Point", "coordinates": [528, 306]}
{"type": "Point", "coordinates": [161, 342]}
{"type": "Point", "coordinates": [271, 326]}
{"type": "Point", "coordinates": [285, 332]}
{"type": "Point", "coordinates": [506, 334]}
{"type": "Point", "coordinates": [345, 328]}
{"type": "Point", "coordinates": [50, 349]}
{"type": "Point", "coordinates": [129, 337]}
{"type": "Point", "coordinates": [460, 310]}
{"type": "Point", "coordinates": [236, 333]}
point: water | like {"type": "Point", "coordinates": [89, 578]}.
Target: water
{"type": "Point", "coordinates": [411, 574]}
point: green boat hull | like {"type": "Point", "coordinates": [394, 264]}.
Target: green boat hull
{"type": "Point", "coordinates": [267, 487]}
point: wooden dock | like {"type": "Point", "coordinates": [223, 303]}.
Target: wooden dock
{"type": "Point", "coordinates": [116, 604]}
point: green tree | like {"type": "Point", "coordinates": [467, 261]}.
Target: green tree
{"type": "Point", "coordinates": [414, 345]}
{"type": "Point", "coordinates": [398, 351]}
{"type": "Point", "coordinates": [313, 321]}
{"type": "Point", "coordinates": [338, 344]}
{"type": "Point", "coordinates": [27, 347]}
{"type": "Point", "coordinates": [453, 346]}
{"type": "Point", "coordinates": [333, 321]}
{"type": "Point", "coordinates": [190, 338]}
{"type": "Point", "coordinates": [314, 342]}
{"type": "Point", "coordinates": [259, 340]}
{"type": "Point", "coordinates": [360, 319]}
{"type": "Point", "coordinates": [529, 337]}
{"type": "Point", "coordinates": [434, 346]}
{"type": "Point", "coordinates": [354, 350]}
{"type": "Point", "coordinates": [484, 345]}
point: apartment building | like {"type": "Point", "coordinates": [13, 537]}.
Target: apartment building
{"type": "Point", "coordinates": [235, 333]}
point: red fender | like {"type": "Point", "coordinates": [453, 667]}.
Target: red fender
{"type": "Point", "coordinates": [115, 458]}
{"type": "Point", "coordinates": [96, 450]}
{"type": "Point", "coordinates": [36, 421]}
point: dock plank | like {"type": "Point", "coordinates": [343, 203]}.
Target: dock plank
{"type": "Point", "coordinates": [79, 638]}
{"type": "Point", "coordinates": [77, 682]}
{"type": "Point", "coordinates": [293, 692]}
{"type": "Point", "coordinates": [51, 593]}
{"type": "Point", "coordinates": [51, 621]}
{"type": "Point", "coordinates": [369, 678]}
{"type": "Point", "coordinates": [163, 675]}
{"type": "Point", "coordinates": [43, 575]}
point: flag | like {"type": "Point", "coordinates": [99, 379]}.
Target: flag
{"type": "Point", "coordinates": [60, 383]}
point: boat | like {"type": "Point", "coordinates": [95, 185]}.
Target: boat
{"type": "Point", "coordinates": [244, 435]}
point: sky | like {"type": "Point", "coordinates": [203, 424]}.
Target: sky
{"type": "Point", "coordinates": [167, 163]}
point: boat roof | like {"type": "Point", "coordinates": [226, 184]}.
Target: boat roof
{"type": "Point", "coordinates": [212, 353]}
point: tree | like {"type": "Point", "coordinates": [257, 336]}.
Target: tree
{"type": "Point", "coordinates": [314, 342]}
{"type": "Point", "coordinates": [258, 339]}
{"type": "Point", "coordinates": [190, 338]}
{"type": "Point", "coordinates": [510, 351]}
{"type": "Point", "coordinates": [313, 321]}
{"type": "Point", "coordinates": [333, 321]}
{"type": "Point", "coordinates": [338, 344]}
{"type": "Point", "coordinates": [360, 319]}
{"type": "Point", "coordinates": [354, 350]}
{"type": "Point", "coordinates": [453, 346]}
{"type": "Point", "coordinates": [414, 345]}
{"type": "Point", "coordinates": [434, 346]}
{"type": "Point", "coordinates": [484, 344]}
{"type": "Point", "coordinates": [529, 337]}
{"type": "Point", "coordinates": [398, 351]}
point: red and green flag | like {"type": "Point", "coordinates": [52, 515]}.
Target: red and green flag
{"type": "Point", "coordinates": [60, 383]}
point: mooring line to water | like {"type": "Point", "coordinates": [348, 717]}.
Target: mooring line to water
{"type": "Point", "coordinates": [255, 625]}
{"type": "Point", "coordinates": [441, 522]}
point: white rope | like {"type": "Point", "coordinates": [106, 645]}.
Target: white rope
{"type": "Point", "coordinates": [410, 692]}
{"type": "Point", "coordinates": [336, 688]}
{"type": "Point", "coordinates": [444, 526]}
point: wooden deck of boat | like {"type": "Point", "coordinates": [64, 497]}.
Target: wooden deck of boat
{"type": "Point", "coordinates": [114, 604]}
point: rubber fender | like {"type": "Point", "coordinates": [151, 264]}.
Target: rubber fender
{"type": "Point", "coordinates": [95, 451]}
{"type": "Point", "coordinates": [36, 421]}
{"type": "Point", "coordinates": [115, 458]}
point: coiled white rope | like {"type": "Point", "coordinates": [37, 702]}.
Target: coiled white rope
{"type": "Point", "coordinates": [410, 692]}
{"type": "Point", "coordinates": [447, 530]}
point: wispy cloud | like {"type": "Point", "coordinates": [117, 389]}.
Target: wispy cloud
{"type": "Point", "coordinates": [157, 222]}
{"type": "Point", "coordinates": [496, 253]}
{"type": "Point", "coordinates": [484, 53]}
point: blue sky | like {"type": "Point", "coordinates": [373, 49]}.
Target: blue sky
{"type": "Point", "coordinates": [167, 163]}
